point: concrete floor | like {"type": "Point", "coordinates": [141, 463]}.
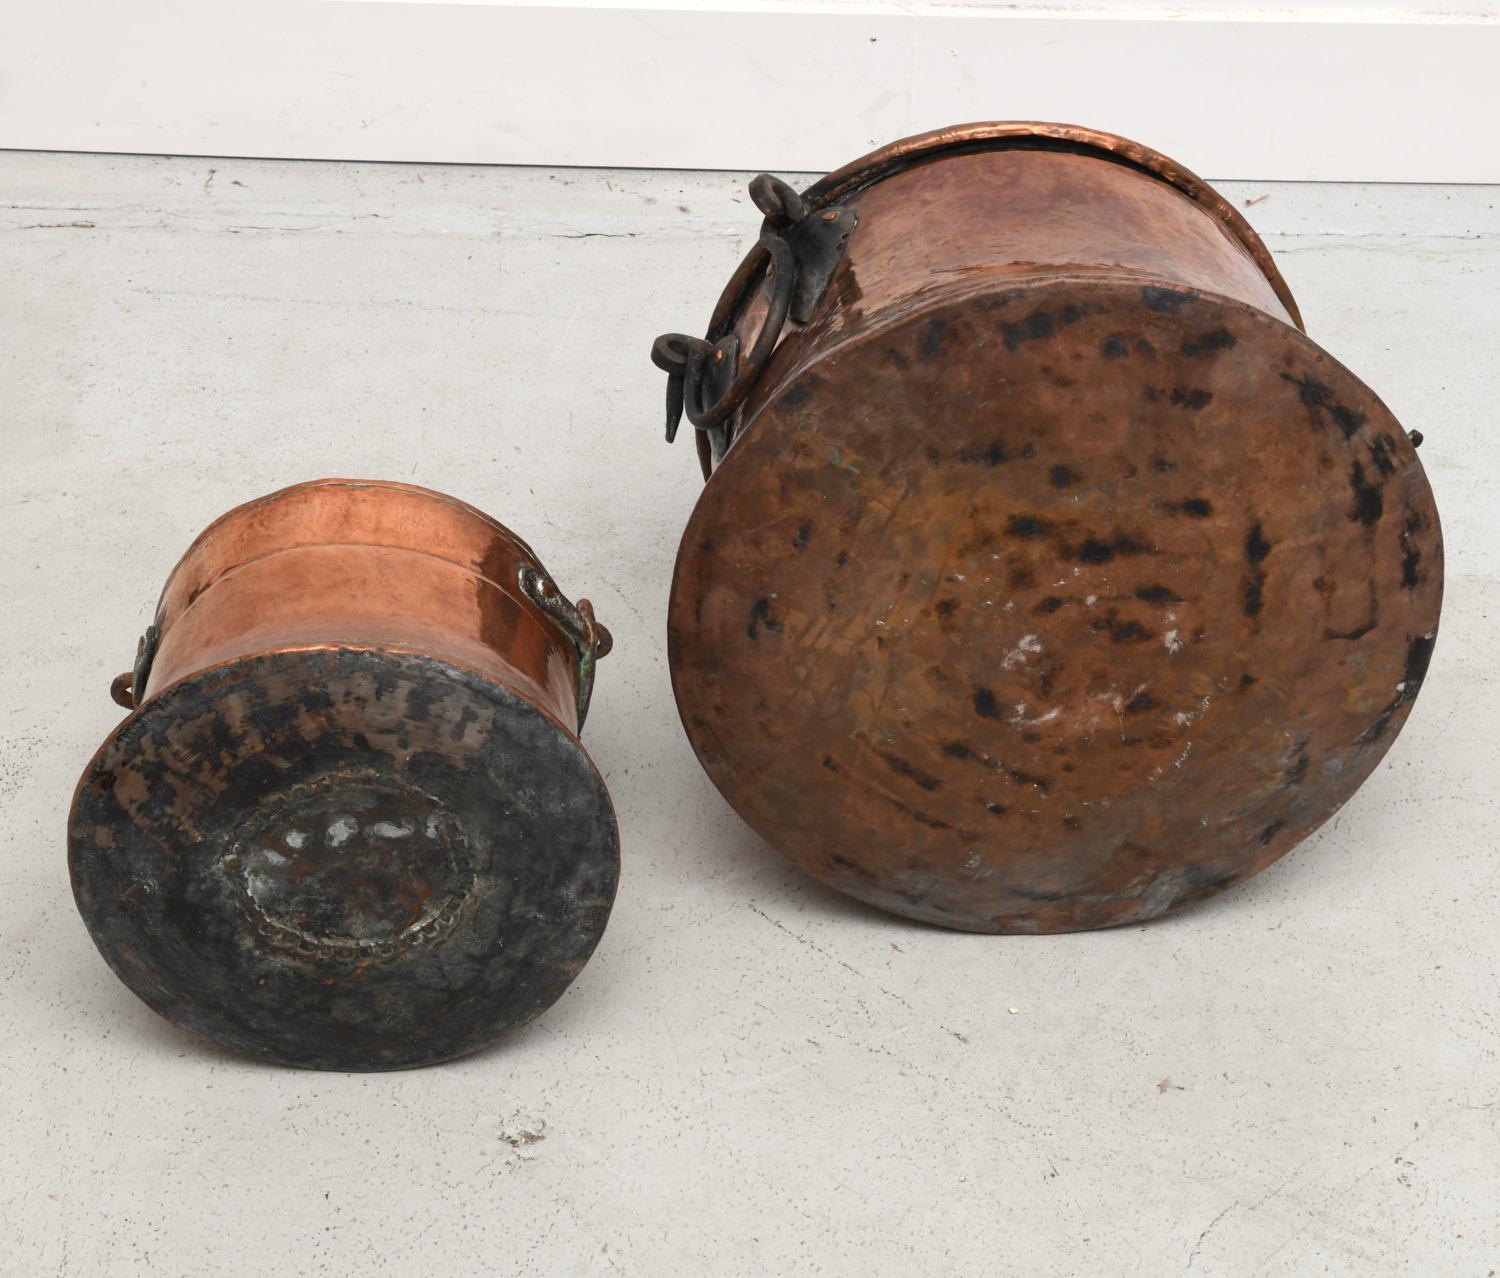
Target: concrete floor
{"type": "Point", "coordinates": [752, 1076]}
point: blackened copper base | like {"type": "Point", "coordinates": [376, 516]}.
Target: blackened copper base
{"type": "Point", "coordinates": [343, 858]}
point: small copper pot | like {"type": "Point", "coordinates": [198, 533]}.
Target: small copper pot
{"type": "Point", "coordinates": [348, 823]}
{"type": "Point", "coordinates": [1048, 577]}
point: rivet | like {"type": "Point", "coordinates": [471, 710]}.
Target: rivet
{"type": "Point", "coordinates": [719, 356]}
{"type": "Point", "coordinates": [831, 216]}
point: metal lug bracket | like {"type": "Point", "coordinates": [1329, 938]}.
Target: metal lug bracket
{"type": "Point", "coordinates": [129, 689]}
{"type": "Point", "coordinates": [589, 638]}
{"type": "Point", "coordinates": [799, 249]}
{"type": "Point", "coordinates": [817, 242]}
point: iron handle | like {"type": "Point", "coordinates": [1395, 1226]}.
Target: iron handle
{"type": "Point", "coordinates": [591, 639]}
{"type": "Point", "coordinates": [799, 246]}
{"type": "Point", "coordinates": [127, 689]}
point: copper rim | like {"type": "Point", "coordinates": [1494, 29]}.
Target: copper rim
{"type": "Point", "coordinates": [995, 135]}
{"type": "Point", "coordinates": [235, 512]}
{"type": "Point", "coordinates": [960, 138]}
{"type": "Point", "coordinates": [221, 560]}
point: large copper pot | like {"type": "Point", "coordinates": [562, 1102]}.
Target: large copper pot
{"type": "Point", "coordinates": [1048, 577]}
{"type": "Point", "coordinates": [348, 823]}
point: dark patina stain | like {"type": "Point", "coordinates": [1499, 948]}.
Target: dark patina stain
{"type": "Point", "coordinates": [1113, 347]}
{"type": "Point", "coordinates": [1120, 631]}
{"type": "Point", "coordinates": [1368, 503]}
{"type": "Point", "coordinates": [1320, 403]}
{"type": "Point", "coordinates": [421, 701]}
{"type": "Point", "coordinates": [994, 455]}
{"type": "Point", "coordinates": [1141, 703]}
{"type": "Point", "coordinates": [985, 705]}
{"type": "Point", "coordinates": [1193, 507]}
{"type": "Point", "coordinates": [1221, 339]}
{"type": "Point", "coordinates": [937, 337]}
{"type": "Point", "coordinates": [1191, 397]}
{"type": "Point", "coordinates": [1157, 594]}
{"type": "Point", "coordinates": [1205, 882]}
{"type": "Point", "coordinates": [1096, 551]}
{"type": "Point", "coordinates": [909, 770]}
{"type": "Point", "coordinates": [923, 818]}
{"type": "Point", "coordinates": [1253, 590]}
{"type": "Point", "coordinates": [1063, 477]}
{"type": "Point", "coordinates": [801, 539]}
{"type": "Point", "coordinates": [794, 398]}
{"type": "Point", "coordinates": [1253, 586]}
{"type": "Point", "coordinates": [1383, 453]}
{"type": "Point", "coordinates": [1298, 770]}
{"type": "Point", "coordinates": [1027, 527]}
{"type": "Point", "coordinates": [1050, 604]}
{"type": "Point", "coordinates": [760, 615]}
{"type": "Point", "coordinates": [1036, 327]}
{"type": "Point", "coordinates": [1411, 557]}
{"type": "Point", "coordinates": [465, 718]}
{"type": "Point", "coordinates": [1165, 301]}
{"type": "Point", "coordinates": [1418, 656]}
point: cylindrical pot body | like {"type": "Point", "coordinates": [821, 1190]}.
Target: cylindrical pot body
{"type": "Point", "coordinates": [1048, 576]}
{"type": "Point", "coordinates": [348, 823]}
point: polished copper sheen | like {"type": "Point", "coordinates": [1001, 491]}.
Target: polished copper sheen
{"type": "Point", "coordinates": [348, 823]}
{"type": "Point", "coordinates": [1048, 577]}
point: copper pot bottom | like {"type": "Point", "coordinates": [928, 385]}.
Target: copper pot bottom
{"type": "Point", "coordinates": [344, 859]}
{"type": "Point", "coordinates": [1128, 616]}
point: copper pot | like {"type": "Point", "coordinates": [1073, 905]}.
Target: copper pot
{"type": "Point", "coordinates": [348, 823]}
{"type": "Point", "coordinates": [1048, 577]}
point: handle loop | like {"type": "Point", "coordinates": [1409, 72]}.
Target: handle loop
{"type": "Point", "coordinates": [588, 636]}
{"type": "Point", "coordinates": [696, 367]}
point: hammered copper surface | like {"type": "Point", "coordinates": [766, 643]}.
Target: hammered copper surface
{"type": "Point", "coordinates": [349, 824]}
{"type": "Point", "coordinates": [1055, 580]}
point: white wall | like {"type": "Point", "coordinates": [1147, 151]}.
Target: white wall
{"type": "Point", "coordinates": [1336, 90]}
